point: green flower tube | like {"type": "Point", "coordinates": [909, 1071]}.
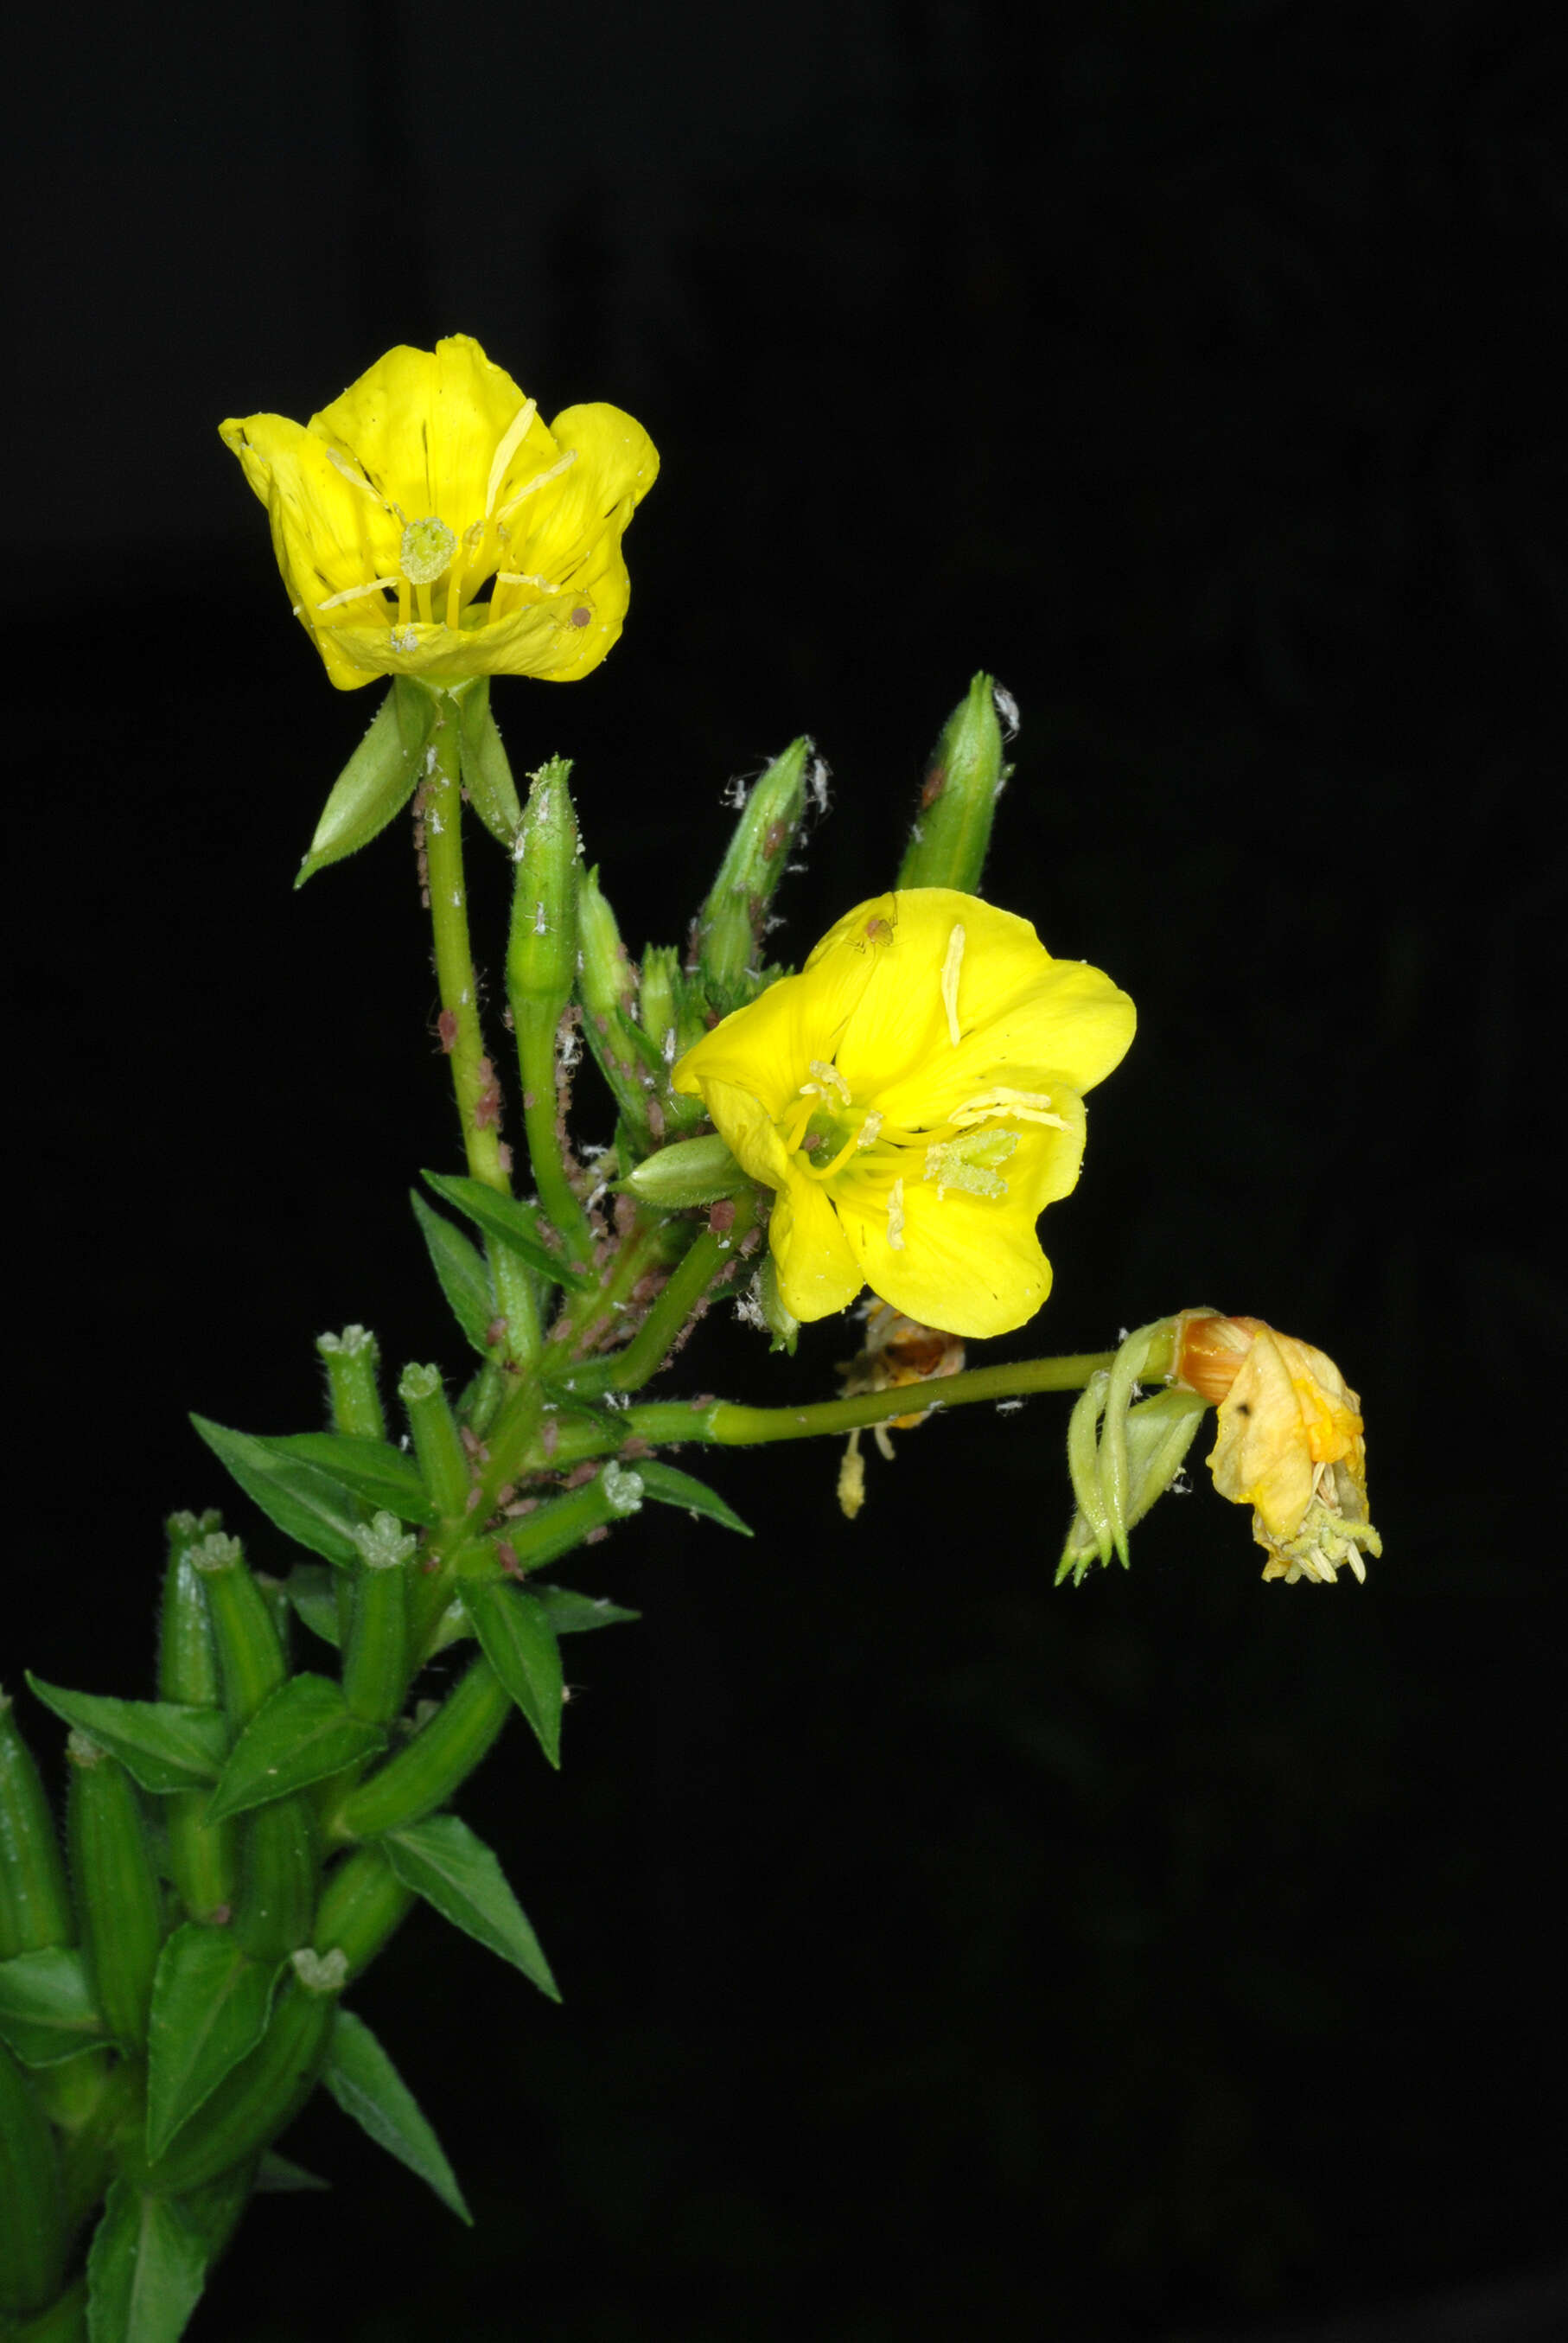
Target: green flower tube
{"type": "Point", "coordinates": [34, 1901]}
{"type": "Point", "coordinates": [202, 1855]}
{"type": "Point", "coordinates": [362, 1905]}
{"type": "Point", "coordinates": [117, 1888]}
{"type": "Point", "coordinates": [443, 1466]}
{"type": "Point", "coordinates": [442, 1754]}
{"type": "Point", "coordinates": [32, 2220]}
{"type": "Point", "coordinates": [351, 1360]}
{"type": "Point", "coordinates": [266, 2089]}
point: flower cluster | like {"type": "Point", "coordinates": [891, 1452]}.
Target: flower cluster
{"type": "Point", "coordinates": [427, 523]}
{"type": "Point", "coordinates": [915, 1096]}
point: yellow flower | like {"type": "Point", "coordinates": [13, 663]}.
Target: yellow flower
{"type": "Point", "coordinates": [433, 482]}
{"type": "Point", "coordinates": [915, 1095]}
{"type": "Point", "coordinates": [1290, 1443]}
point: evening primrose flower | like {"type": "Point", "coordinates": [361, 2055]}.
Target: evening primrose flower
{"type": "Point", "coordinates": [915, 1096]}
{"type": "Point", "coordinates": [429, 524]}
{"type": "Point", "coordinates": [1290, 1443]}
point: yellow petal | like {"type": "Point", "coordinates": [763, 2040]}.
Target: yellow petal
{"type": "Point", "coordinates": [424, 425]}
{"type": "Point", "coordinates": [767, 1047]}
{"type": "Point", "coordinates": [818, 1270]}
{"type": "Point", "coordinates": [1262, 1456]}
{"type": "Point", "coordinates": [747, 1129]}
{"type": "Point", "coordinates": [969, 1264]}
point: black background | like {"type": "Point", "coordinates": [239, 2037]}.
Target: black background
{"type": "Point", "coordinates": [942, 1954]}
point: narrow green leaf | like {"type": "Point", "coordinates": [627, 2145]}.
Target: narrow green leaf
{"type": "Point", "coordinates": [376, 782]}
{"type": "Point", "coordinates": [575, 1614]}
{"type": "Point", "coordinates": [210, 2005]}
{"type": "Point", "coordinates": [310, 1587]}
{"type": "Point", "coordinates": [383, 1476]}
{"type": "Point", "coordinates": [308, 1505]}
{"type": "Point", "coordinates": [161, 1743]}
{"type": "Point", "coordinates": [460, 1273]}
{"type": "Point", "coordinates": [673, 1488]}
{"type": "Point", "coordinates": [279, 2176]}
{"type": "Point", "coordinates": [367, 2086]}
{"type": "Point", "coordinates": [519, 1643]}
{"type": "Point", "coordinates": [518, 1225]}
{"type": "Point", "coordinates": [443, 1861]}
{"type": "Point", "coordinates": [47, 2008]}
{"type": "Point", "coordinates": [146, 2270]}
{"type": "Point", "coordinates": [300, 1734]}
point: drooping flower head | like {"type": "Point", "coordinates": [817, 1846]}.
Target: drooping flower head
{"type": "Point", "coordinates": [1290, 1443]}
{"type": "Point", "coordinates": [427, 523]}
{"type": "Point", "coordinates": [916, 1097]}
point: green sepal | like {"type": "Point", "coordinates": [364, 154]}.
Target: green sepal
{"type": "Point", "coordinates": [308, 1505]}
{"type": "Point", "coordinates": [34, 1901]}
{"type": "Point", "coordinates": [301, 1735]}
{"type": "Point", "coordinates": [370, 1469]}
{"type": "Point", "coordinates": [518, 1641]}
{"type": "Point", "coordinates": [145, 2269]}
{"type": "Point", "coordinates": [279, 2176]}
{"type": "Point", "coordinates": [32, 2204]}
{"type": "Point", "coordinates": [964, 778]}
{"type": "Point", "coordinates": [688, 1171]}
{"type": "Point", "coordinates": [670, 1487]}
{"type": "Point", "coordinates": [162, 1744]}
{"type": "Point", "coordinates": [485, 768]}
{"type": "Point", "coordinates": [376, 782]}
{"type": "Point", "coordinates": [48, 2013]}
{"type": "Point", "coordinates": [210, 2006]}
{"type": "Point", "coordinates": [462, 1274]}
{"type": "Point", "coordinates": [456, 1873]}
{"type": "Point", "coordinates": [312, 1589]}
{"type": "Point", "coordinates": [520, 1226]}
{"type": "Point", "coordinates": [367, 2086]}
{"type": "Point", "coordinates": [578, 1614]}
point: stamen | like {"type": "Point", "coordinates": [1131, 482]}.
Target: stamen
{"type": "Point", "coordinates": [950, 984]}
{"type": "Point", "coordinates": [357, 479]}
{"type": "Point", "coordinates": [896, 1217]}
{"type": "Point", "coordinates": [422, 596]}
{"type": "Point", "coordinates": [454, 593]}
{"type": "Point", "coordinates": [405, 605]}
{"type": "Point", "coordinates": [356, 593]}
{"type": "Point", "coordinates": [515, 432]}
{"type": "Point", "coordinates": [538, 481]}
{"type": "Point", "coordinates": [1030, 1106]}
{"type": "Point", "coordinates": [830, 1078]}
{"type": "Point", "coordinates": [868, 1130]}
{"type": "Point", "coordinates": [850, 1146]}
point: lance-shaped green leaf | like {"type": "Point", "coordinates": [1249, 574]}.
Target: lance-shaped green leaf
{"type": "Point", "coordinates": [279, 2176]}
{"type": "Point", "coordinates": [577, 1614]}
{"type": "Point", "coordinates": [518, 1641]}
{"type": "Point", "coordinates": [161, 1743]}
{"type": "Point", "coordinates": [670, 1487]}
{"type": "Point", "coordinates": [308, 1505]}
{"type": "Point", "coordinates": [486, 767]}
{"type": "Point", "coordinates": [518, 1225]}
{"type": "Point", "coordinates": [210, 2005]}
{"type": "Point", "coordinates": [313, 1591]}
{"type": "Point", "coordinates": [443, 1861]}
{"type": "Point", "coordinates": [146, 2270]}
{"type": "Point", "coordinates": [461, 1272]}
{"type": "Point", "coordinates": [300, 1735]}
{"type": "Point", "coordinates": [48, 2013]}
{"type": "Point", "coordinates": [367, 2086]}
{"type": "Point", "coordinates": [376, 782]}
{"type": "Point", "coordinates": [373, 1468]}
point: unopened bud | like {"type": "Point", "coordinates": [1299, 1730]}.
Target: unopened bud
{"type": "Point", "coordinates": [733, 919]}
{"type": "Point", "coordinates": [964, 778]}
{"type": "Point", "coordinates": [542, 956]}
{"type": "Point", "coordinates": [691, 1172]}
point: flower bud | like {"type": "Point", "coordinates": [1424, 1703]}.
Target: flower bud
{"type": "Point", "coordinates": [606, 987]}
{"type": "Point", "coordinates": [542, 957]}
{"type": "Point", "coordinates": [733, 921]}
{"type": "Point", "coordinates": [964, 778]}
{"type": "Point", "coordinates": [691, 1172]}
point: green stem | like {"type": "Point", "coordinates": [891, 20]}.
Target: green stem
{"type": "Point", "coordinates": [536, 1034]}
{"type": "Point", "coordinates": [709, 1255]}
{"type": "Point", "coordinates": [729, 1426]}
{"type": "Point", "coordinates": [474, 1081]}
